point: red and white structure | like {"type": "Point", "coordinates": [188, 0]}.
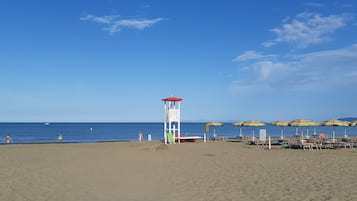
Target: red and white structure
{"type": "Point", "coordinates": [172, 122]}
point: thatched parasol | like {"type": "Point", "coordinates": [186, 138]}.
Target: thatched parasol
{"type": "Point", "coordinates": [215, 123]}
{"type": "Point", "coordinates": [303, 123]}
{"type": "Point", "coordinates": [353, 123]}
{"type": "Point", "coordinates": [281, 123]}
{"type": "Point", "coordinates": [240, 124]}
{"type": "Point", "coordinates": [333, 123]}
{"type": "Point", "coordinates": [253, 123]}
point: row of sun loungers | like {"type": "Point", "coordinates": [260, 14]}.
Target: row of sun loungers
{"type": "Point", "coordinates": [318, 144]}
{"type": "Point", "coordinates": [305, 144]}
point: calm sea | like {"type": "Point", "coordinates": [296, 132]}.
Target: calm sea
{"type": "Point", "coordinates": [97, 132]}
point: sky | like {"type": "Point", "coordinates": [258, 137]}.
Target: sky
{"type": "Point", "coordinates": [230, 60]}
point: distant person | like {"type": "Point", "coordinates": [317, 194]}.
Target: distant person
{"type": "Point", "coordinates": [60, 137]}
{"type": "Point", "coordinates": [141, 138]}
{"type": "Point", "coordinates": [8, 139]}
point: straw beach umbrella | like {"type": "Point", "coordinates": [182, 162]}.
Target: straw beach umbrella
{"type": "Point", "coordinates": [240, 124]}
{"type": "Point", "coordinates": [333, 123]}
{"type": "Point", "coordinates": [353, 123]}
{"type": "Point", "coordinates": [281, 123]}
{"type": "Point", "coordinates": [215, 123]}
{"type": "Point", "coordinates": [253, 123]}
{"type": "Point", "coordinates": [303, 123]}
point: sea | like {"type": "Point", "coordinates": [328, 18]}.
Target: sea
{"type": "Point", "coordinates": [105, 132]}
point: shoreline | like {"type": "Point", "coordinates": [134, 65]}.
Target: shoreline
{"type": "Point", "coordinates": [40, 133]}
{"type": "Point", "coordinates": [66, 142]}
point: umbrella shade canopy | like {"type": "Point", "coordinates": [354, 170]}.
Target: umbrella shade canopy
{"type": "Point", "coordinates": [253, 123]}
{"type": "Point", "coordinates": [280, 123]}
{"type": "Point", "coordinates": [238, 123]}
{"type": "Point", "coordinates": [353, 123]}
{"type": "Point", "coordinates": [335, 122]}
{"type": "Point", "coordinates": [215, 123]}
{"type": "Point", "coordinates": [303, 122]}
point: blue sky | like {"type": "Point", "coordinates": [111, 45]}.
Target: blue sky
{"type": "Point", "coordinates": [113, 60]}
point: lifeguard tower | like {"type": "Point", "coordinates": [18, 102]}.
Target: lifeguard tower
{"type": "Point", "coordinates": [172, 119]}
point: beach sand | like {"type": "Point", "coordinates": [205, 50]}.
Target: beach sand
{"type": "Point", "coordinates": [190, 171]}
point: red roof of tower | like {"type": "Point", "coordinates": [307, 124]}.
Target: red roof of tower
{"type": "Point", "coordinates": [172, 99]}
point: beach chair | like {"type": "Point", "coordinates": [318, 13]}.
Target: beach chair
{"type": "Point", "coordinates": [306, 146]}
{"type": "Point", "coordinates": [309, 146]}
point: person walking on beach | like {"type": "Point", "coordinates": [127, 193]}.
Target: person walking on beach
{"type": "Point", "coordinates": [8, 139]}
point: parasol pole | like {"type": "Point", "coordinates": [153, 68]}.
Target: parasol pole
{"type": "Point", "coordinates": [307, 132]}
{"type": "Point", "coordinates": [282, 133]}
{"type": "Point", "coordinates": [333, 134]}
{"type": "Point", "coordinates": [302, 135]}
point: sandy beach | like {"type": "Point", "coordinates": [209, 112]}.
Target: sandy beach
{"type": "Point", "coordinates": [188, 171]}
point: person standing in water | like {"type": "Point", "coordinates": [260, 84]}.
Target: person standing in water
{"type": "Point", "coordinates": [60, 137]}
{"type": "Point", "coordinates": [141, 138]}
{"type": "Point", "coordinates": [8, 139]}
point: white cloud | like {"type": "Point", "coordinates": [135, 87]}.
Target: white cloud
{"type": "Point", "coordinates": [115, 24]}
{"type": "Point", "coordinates": [314, 4]}
{"type": "Point", "coordinates": [104, 19]}
{"type": "Point", "coordinates": [137, 23]}
{"type": "Point", "coordinates": [351, 74]}
{"type": "Point", "coordinates": [268, 43]}
{"type": "Point", "coordinates": [314, 71]}
{"type": "Point", "coordinates": [251, 55]}
{"type": "Point", "coordinates": [307, 29]}
{"type": "Point", "coordinates": [267, 69]}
